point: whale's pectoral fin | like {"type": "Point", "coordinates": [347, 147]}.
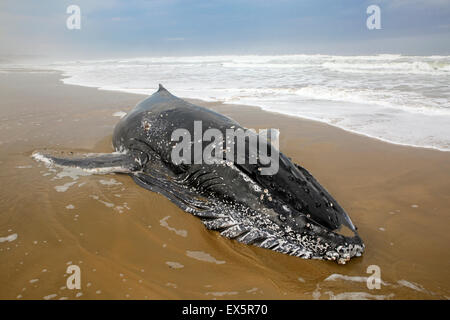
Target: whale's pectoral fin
{"type": "Point", "coordinates": [184, 198]}
{"type": "Point", "coordinates": [99, 163]}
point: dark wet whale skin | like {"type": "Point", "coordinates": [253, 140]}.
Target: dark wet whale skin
{"type": "Point", "coordinates": [289, 212]}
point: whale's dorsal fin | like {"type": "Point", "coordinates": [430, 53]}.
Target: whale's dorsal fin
{"type": "Point", "coordinates": [161, 88]}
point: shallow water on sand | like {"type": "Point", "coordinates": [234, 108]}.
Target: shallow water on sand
{"type": "Point", "coordinates": [131, 243]}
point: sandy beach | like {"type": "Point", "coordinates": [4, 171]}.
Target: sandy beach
{"type": "Point", "coordinates": [131, 243]}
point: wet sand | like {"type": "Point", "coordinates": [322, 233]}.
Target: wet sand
{"type": "Point", "coordinates": [131, 243]}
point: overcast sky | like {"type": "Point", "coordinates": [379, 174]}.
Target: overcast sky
{"type": "Point", "coordinates": [124, 28]}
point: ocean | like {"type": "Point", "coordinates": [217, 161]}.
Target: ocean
{"type": "Point", "coordinates": [395, 98]}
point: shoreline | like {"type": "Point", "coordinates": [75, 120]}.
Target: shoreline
{"type": "Point", "coordinates": [318, 122]}
{"type": "Point", "coordinates": [63, 76]}
{"type": "Point", "coordinates": [205, 102]}
{"type": "Point", "coordinates": [396, 195]}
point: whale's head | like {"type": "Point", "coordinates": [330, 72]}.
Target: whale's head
{"type": "Point", "coordinates": [289, 212]}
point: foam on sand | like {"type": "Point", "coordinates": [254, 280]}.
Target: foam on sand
{"type": "Point", "coordinates": [9, 238]}
{"type": "Point", "coordinates": [174, 265]}
{"type": "Point", "coordinates": [337, 276]}
{"type": "Point", "coordinates": [411, 285]}
{"type": "Point", "coordinates": [163, 223]}
{"type": "Point", "coordinates": [358, 296]}
{"type": "Point", "coordinates": [203, 256]}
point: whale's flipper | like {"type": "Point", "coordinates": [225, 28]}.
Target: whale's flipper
{"type": "Point", "coordinates": [99, 163]}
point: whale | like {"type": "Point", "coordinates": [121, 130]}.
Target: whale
{"type": "Point", "coordinates": [287, 211]}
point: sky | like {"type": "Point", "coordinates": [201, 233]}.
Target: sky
{"type": "Point", "coordinates": [127, 28]}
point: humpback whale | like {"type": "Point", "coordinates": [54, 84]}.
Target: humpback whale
{"type": "Point", "coordinates": [288, 211]}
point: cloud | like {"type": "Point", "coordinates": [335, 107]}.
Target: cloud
{"type": "Point", "coordinates": [158, 27]}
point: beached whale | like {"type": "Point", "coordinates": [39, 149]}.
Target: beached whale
{"type": "Point", "coordinates": [287, 211]}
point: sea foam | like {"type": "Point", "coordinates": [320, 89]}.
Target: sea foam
{"type": "Point", "coordinates": [395, 98]}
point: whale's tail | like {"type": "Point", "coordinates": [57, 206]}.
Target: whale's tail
{"type": "Point", "coordinates": [99, 163]}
